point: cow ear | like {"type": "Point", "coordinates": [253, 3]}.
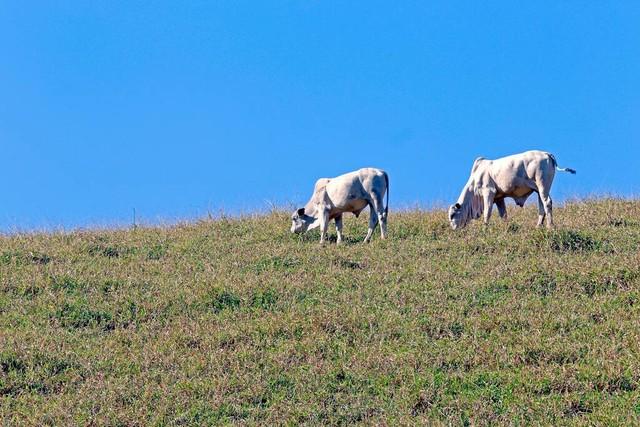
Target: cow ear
{"type": "Point", "coordinates": [457, 206]}
{"type": "Point", "coordinates": [301, 212]}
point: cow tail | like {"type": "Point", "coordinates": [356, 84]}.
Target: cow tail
{"type": "Point", "coordinates": [559, 169]}
{"type": "Point", "coordinates": [386, 209]}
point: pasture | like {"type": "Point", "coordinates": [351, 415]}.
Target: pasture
{"type": "Point", "coordinates": [239, 321]}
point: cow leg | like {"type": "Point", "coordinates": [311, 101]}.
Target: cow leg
{"type": "Point", "coordinates": [324, 226]}
{"type": "Point", "coordinates": [488, 205]}
{"type": "Point", "coordinates": [545, 204]}
{"type": "Point", "coordinates": [541, 211]}
{"type": "Point", "coordinates": [378, 205]}
{"type": "Point", "coordinates": [383, 225]}
{"type": "Point", "coordinates": [373, 221]}
{"type": "Point", "coordinates": [502, 209]}
{"type": "Point", "coordinates": [339, 228]}
{"type": "Point", "coordinates": [548, 208]}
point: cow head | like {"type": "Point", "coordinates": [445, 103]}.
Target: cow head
{"type": "Point", "coordinates": [456, 217]}
{"type": "Point", "coordinates": [300, 221]}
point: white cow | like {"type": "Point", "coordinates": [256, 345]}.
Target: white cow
{"type": "Point", "coordinates": [515, 176]}
{"type": "Point", "coordinates": [351, 192]}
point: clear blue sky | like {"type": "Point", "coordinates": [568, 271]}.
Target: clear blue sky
{"type": "Point", "coordinates": [179, 108]}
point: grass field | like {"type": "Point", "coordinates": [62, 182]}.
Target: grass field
{"type": "Point", "coordinates": [238, 321]}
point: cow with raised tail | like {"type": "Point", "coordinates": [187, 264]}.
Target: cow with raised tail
{"type": "Point", "coordinates": [517, 177]}
{"type": "Point", "coordinates": [351, 192]}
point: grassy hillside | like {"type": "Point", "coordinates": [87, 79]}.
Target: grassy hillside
{"type": "Point", "coordinates": [236, 320]}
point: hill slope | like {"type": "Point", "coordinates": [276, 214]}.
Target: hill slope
{"type": "Point", "coordinates": [236, 320]}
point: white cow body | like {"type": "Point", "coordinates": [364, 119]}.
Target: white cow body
{"type": "Point", "coordinates": [351, 192]}
{"type": "Point", "coordinates": [516, 176]}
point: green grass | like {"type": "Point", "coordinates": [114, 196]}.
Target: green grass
{"type": "Point", "coordinates": [238, 321]}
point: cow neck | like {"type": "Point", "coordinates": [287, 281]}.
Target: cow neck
{"type": "Point", "coordinates": [470, 202]}
{"type": "Point", "coordinates": [310, 209]}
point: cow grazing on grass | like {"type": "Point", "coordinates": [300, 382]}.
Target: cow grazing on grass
{"type": "Point", "coordinates": [351, 192]}
{"type": "Point", "coordinates": [515, 176]}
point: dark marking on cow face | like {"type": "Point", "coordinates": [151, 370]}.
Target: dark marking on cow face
{"type": "Point", "coordinates": [300, 221]}
{"type": "Point", "coordinates": [455, 216]}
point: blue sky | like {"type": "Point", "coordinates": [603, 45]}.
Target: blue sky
{"type": "Point", "coordinates": [180, 108]}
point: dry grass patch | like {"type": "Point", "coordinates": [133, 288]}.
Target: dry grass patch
{"type": "Point", "coordinates": [238, 321]}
